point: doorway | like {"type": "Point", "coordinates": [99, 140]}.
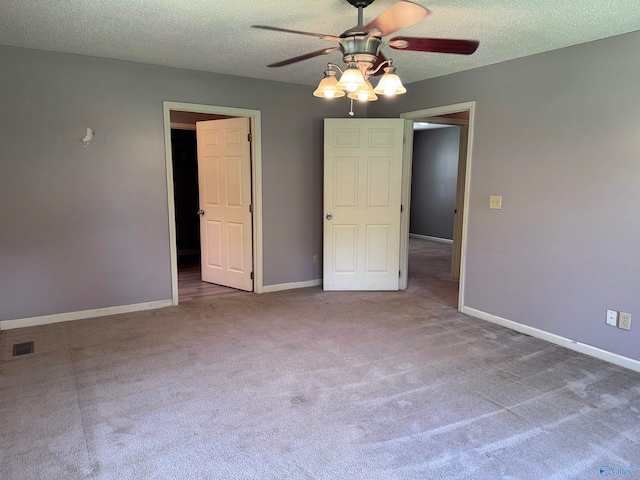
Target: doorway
{"type": "Point", "coordinates": [182, 193]}
{"type": "Point", "coordinates": [433, 246]}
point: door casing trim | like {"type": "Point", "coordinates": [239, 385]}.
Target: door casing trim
{"type": "Point", "coordinates": [256, 184]}
{"type": "Point", "coordinates": [407, 160]}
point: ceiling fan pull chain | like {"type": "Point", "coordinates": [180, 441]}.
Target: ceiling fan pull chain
{"type": "Point", "coordinates": [351, 111]}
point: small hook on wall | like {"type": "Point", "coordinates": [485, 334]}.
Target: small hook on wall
{"type": "Point", "coordinates": [88, 137]}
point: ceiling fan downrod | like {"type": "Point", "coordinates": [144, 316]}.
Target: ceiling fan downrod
{"type": "Point", "coordinates": [360, 5]}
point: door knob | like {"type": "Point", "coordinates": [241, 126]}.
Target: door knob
{"type": "Point", "coordinates": [200, 212]}
{"type": "Point", "coordinates": [329, 216]}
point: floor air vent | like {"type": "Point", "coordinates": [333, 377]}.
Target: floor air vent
{"type": "Point", "coordinates": [22, 348]}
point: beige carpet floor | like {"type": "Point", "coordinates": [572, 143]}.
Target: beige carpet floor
{"type": "Point", "coordinates": [309, 384]}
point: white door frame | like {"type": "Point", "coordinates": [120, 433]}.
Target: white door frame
{"type": "Point", "coordinates": [407, 161]}
{"type": "Point", "coordinates": [256, 183]}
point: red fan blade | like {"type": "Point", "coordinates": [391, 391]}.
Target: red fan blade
{"type": "Point", "coordinates": [317, 53]}
{"type": "Point", "coordinates": [401, 15]}
{"type": "Point", "coordinates": [437, 45]}
{"type": "Point", "coordinates": [311, 34]}
{"type": "Point", "coordinates": [381, 58]}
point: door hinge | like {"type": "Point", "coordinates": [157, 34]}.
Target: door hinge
{"type": "Point", "coordinates": [401, 208]}
{"type": "Point", "coordinates": [404, 139]}
{"type": "Point", "coordinates": [250, 208]}
{"type": "Point", "coordinates": [249, 137]}
{"type": "Point", "coordinates": [399, 273]}
{"type": "Point", "coordinates": [251, 275]}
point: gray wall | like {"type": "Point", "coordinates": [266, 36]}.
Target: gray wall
{"type": "Point", "coordinates": [85, 228]}
{"type": "Point", "coordinates": [558, 135]}
{"type": "Point", "coordinates": [433, 181]}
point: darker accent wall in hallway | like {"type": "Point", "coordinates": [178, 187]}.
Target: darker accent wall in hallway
{"type": "Point", "coordinates": [433, 181]}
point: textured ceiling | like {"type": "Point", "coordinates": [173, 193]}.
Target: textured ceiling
{"type": "Point", "coordinates": [215, 35]}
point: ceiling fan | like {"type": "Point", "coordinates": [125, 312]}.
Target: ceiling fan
{"type": "Point", "coordinates": [360, 47]}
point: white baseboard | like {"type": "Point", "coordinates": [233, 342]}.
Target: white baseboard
{"type": "Point", "coordinates": [590, 350]}
{"type": "Point", "coordinates": [290, 286]}
{"type": "Point", "coordinates": [98, 312]}
{"type": "Point", "coordinates": [433, 239]}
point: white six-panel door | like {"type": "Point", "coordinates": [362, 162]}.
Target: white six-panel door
{"type": "Point", "coordinates": [362, 187]}
{"type": "Point", "coordinates": [224, 179]}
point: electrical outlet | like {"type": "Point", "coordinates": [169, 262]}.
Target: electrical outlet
{"type": "Point", "coordinates": [612, 318]}
{"type": "Point", "coordinates": [495, 202]}
{"type": "Point", "coordinates": [315, 258]}
{"type": "Point", "coordinates": [624, 321]}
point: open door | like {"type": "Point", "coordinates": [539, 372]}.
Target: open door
{"type": "Point", "coordinates": [362, 190]}
{"type": "Point", "coordinates": [224, 179]}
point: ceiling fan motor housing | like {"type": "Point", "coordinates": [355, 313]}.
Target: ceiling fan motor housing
{"type": "Point", "coordinates": [361, 47]}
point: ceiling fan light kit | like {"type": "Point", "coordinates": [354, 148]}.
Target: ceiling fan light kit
{"type": "Point", "coordinates": [361, 45]}
{"type": "Point", "coordinates": [357, 84]}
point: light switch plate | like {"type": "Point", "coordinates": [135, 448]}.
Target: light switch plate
{"type": "Point", "coordinates": [495, 202]}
